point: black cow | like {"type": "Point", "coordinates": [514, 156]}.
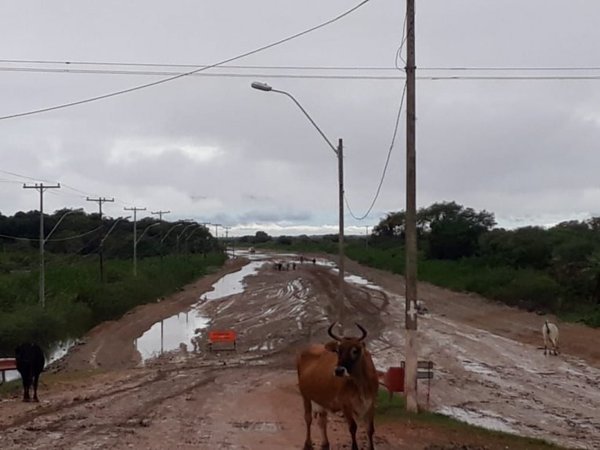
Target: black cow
{"type": "Point", "coordinates": [30, 363]}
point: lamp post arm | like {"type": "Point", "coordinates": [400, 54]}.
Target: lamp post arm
{"type": "Point", "coordinates": [169, 232]}
{"type": "Point", "coordinates": [309, 118]}
{"type": "Point", "coordinates": [144, 232]}
{"type": "Point", "coordinates": [112, 228]}
{"type": "Point", "coordinates": [60, 220]}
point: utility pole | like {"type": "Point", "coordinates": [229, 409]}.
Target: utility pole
{"type": "Point", "coordinates": [217, 225]}
{"type": "Point", "coordinates": [100, 200]}
{"type": "Point", "coordinates": [160, 214]}
{"type": "Point", "coordinates": [226, 237]}
{"type": "Point", "coordinates": [135, 210]}
{"type": "Point", "coordinates": [42, 187]}
{"type": "Point", "coordinates": [410, 384]}
{"type": "Point", "coordinates": [367, 237]}
{"type": "Point", "coordinates": [341, 262]}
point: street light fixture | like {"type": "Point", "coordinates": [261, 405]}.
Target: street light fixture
{"type": "Point", "coordinates": [339, 152]}
{"type": "Point", "coordinates": [101, 246]}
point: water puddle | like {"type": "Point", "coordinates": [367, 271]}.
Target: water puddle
{"type": "Point", "coordinates": [232, 283]}
{"type": "Point", "coordinates": [170, 333]}
{"type": "Point", "coordinates": [185, 328]}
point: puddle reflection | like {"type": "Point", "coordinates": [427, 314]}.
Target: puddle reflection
{"type": "Point", "coordinates": [170, 333]}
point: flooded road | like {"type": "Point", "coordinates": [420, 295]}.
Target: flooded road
{"type": "Point", "coordinates": [189, 397]}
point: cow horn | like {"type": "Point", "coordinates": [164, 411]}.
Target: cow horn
{"type": "Point", "coordinates": [331, 333]}
{"type": "Point", "coordinates": [364, 332]}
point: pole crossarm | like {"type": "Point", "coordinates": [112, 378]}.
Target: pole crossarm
{"type": "Point", "coordinates": [160, 214]}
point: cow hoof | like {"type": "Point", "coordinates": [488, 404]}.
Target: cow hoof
{"type": "Point", "coordinates": [325, 446]}
{"type": "Point", "coordinates": [26, 400]}
{"type": "Point", "coordinates": [308, 446]}
{"type": "Point", "coordinates": [37, 400]}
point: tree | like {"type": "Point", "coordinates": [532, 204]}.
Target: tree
{"type": "Point", "coordinates": [451, 230]}
{"type": "Point", "coordinates": [261, 237]}
{"type": "Point", "coordinates": [392, 225]}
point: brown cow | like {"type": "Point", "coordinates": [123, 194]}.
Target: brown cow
{"type": "Point", "coordinates": [338, 376]}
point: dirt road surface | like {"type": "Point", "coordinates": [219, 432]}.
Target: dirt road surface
{"type": "Point", "coordinates": [489, 369]}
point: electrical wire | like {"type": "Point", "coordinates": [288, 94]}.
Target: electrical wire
{"type": "Point", "coordinates": [16, 238]}
{"type": "Point", "coordinates": [297, 67]}
{"type": "Point", "coordinates": [387, 161]}
{"type": "Point", "coordinates": [175, 77]}
{"type": "Point", "coordinates": [298, 76]}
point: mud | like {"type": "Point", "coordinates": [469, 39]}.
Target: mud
{"type": "Point", "coordinates": [488, 370]}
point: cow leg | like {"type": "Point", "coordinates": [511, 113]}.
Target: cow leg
{"type": "Point", "coordinates": [26, 383]}
{"type": "Point", "coordinates": [308, 420]}
{"type": "Point", "coordinates": [371, 430]}
{"type": "Point", "coordinates": [36, 378]}
{"type": "Point", "coordinates": [352, 427]}
{"type": "Point", "coordinates": [323, 426]}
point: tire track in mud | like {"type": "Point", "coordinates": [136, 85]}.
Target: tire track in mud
{"type": "Point", "coordinates": [110, 414]}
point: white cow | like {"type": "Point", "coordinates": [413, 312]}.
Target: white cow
{"type": "Point", "coordinates": [550, 333]}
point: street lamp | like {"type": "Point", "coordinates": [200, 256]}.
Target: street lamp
{"type": "Point", "coordinates": [101, 246]}
{"type": "Point", "coordinates": [42, 247]}
{"type": "Point", "coordinates": [182, 233]}
{"type": "Point", "coordinates": [339, 152]}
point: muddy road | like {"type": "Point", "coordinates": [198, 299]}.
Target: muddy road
{"type": "Point", "coordinates": [148, 381]}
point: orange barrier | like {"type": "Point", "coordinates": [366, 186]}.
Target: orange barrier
{"type": "Point", "coordinates": [218, 337]}
{"type": "Point", "coordinates": [7, 364]}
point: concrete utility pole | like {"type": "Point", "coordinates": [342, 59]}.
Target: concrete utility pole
{"type": "Point", "coordinates": [217, 225]}
{"type": "Point", "coordinates": [42, 187]}
{"type": "Point", "coordinates": [100, 200]}
{"type": "Point", "coordinates": [367, 237]}
{"type": "Point", "coordinates": [341, 262]}
{"type": "Point", "coordinates": [135, 210]}
{"type": "Point", "coordinates": [160, 214]}
{"type": "Point", "coordinates": [410, 383]}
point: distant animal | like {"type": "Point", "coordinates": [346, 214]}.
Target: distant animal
{"type": "Point", "coordinates": [550, 334]}
{"type": "Point", "coordinates": [338, 376]}
{"type": "Point", "coordinates": [30, 363]}
{"type": "Point", "coordinates": [421, 307]}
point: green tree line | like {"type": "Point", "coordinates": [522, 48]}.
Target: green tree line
{"type": "Point", "coordinates": [76, 297]}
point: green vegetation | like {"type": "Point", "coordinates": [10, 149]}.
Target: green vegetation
{"type": "Point", "coordinates": [169, 256]}
{"type": "Point", "coordinates": [76, 300]}
{"type": "Point", "coordinates": [394, 409]}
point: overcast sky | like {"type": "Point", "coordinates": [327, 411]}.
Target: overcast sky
{"type": "Point", "coordinates": [211, 148]}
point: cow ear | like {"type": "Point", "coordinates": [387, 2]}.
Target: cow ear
{"type": "Point", "coordinates": [332, 346]}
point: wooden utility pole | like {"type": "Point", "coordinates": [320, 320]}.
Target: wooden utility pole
{"type": "Point", "coordinates": [410, 383]}
{"type": "Point", "coordinates": [100, 200]}
{"type": "Point", "coordinates": [42, 187]}
{"type": "Point", "coordinates": [135, 210]}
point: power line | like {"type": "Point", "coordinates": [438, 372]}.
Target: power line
{"type": "Point", "coordinates": [175, 77]}
{"type": "Point", "coordinates": [304, 67]}
{"type": "Point", "coordinates": [16, 238]}
{"type": "Point", "coordinates": [387, 161]}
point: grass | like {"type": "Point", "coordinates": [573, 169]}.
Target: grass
{"type": "Point", "coordinates": [394, 410]}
